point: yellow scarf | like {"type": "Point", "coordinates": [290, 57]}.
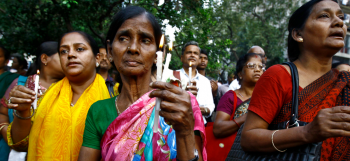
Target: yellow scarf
{"type": "Point", "coordinates": [58, 129]}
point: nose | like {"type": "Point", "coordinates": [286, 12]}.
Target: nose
{"type": "Point", "coordinates": [71, 54]}
{"type": "Point", "coordinates": [134, 47]}
{"type": "Point", "coordinates": [338, 22]}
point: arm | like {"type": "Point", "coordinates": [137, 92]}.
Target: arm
{"type": "Point", "coordinates": [3, 119]}
{"type": "Point", "coordinates": [224, 127]}
{"type": "Point", "coordinates": [89, 154]}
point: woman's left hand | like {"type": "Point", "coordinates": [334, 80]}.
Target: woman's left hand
{"type": "Point", "coordinates": [175, 107]}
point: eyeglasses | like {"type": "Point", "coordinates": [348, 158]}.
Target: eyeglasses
{"type": "Point", "coordinates": [253, 66]}
{"type": "Point", "coordinates": [261, 55]}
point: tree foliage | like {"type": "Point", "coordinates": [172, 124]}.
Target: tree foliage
{"type": "Point", "coordinates": [227, 28]}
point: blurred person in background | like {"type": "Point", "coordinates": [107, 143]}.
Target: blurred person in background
{"type": "Point", "coordinates": [20, 64]}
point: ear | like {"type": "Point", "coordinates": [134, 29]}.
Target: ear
{"type": "Point", "coordinates": [297, 35]}
{"type": "Point", "coordinates": [44, 58]}
{"type": "Point", "coordinates": [109, 49]}
{"type": "Point", "coordinates": [98, 58]}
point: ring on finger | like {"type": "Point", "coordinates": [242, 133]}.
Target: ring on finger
{"type": "Point", "coordinates": [9, 100]}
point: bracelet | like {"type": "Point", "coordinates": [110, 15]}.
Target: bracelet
{"type": "Point", "coordinates": [236, 122]}
{"type": "Point", "coordinates": [24, 118]}
{"type": "Point", "coordinates": [3, 125]}
{"type": "Point", "coordinates": [274, 144]}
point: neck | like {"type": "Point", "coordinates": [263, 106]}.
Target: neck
{"type": "Point", "coordinates": [201, 71]}
{"type": "Point", "coordinates": [79, 86]}
{"type": "Point", "coordinates": [247, 89]}
{"type": "Point", "coordinates": [46, 79]}
{"type": "Point", "coordinates": [133, 88]}
{"type": "Point", "coordinates": [193, 71]}
{"type": "Point", "coordinates": [315, 63]}
{"type": "Point", "coordinates": [104, 73]}
{"type": "Point", "coordinates": [2, 70]}
{"type": "Point", "coordinates": [20, 71]}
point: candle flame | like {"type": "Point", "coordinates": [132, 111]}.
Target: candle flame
{"type": "Point", "coordinates": [190, 63]}
{"type": "Point", "coordinates": [37, 71]}
{"type": "Point", "coordinates": [161, 42]}
{"type": "Point", "coordinates": [171, 46]}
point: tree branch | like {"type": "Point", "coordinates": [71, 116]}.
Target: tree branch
{"type": "Point", "coordinates": [19, 21]}
{"type": "Point", "coordinates": [109, 11]}
{"type": "Point", "coordinates": [177, 52]}
{"type": "Point", "coordinates": [99, 36]}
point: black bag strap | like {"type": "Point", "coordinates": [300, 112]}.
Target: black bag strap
{"type": "Point", "coordinates": [293, 122]}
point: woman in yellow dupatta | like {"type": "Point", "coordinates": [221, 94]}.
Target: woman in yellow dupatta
{"type": "Point", "coordinates": [56, 130]}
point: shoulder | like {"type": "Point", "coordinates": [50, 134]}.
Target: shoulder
{"type": "Point", "coordinates": [203, 78]}
{"type": "Point", "coordinates": [102, 106]}
{"type": "Point", "coordinates": [278, 73]}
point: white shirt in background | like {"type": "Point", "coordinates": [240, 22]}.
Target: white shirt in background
{"type": "Point", "coordinates": [204, 94]}
{"type": "Point", "coordinates": [234, 85]}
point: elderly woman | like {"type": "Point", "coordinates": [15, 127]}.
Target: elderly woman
{"type": "Point", "coordinates": [316, 33]}
{"type": "Point", "coordinates": [120, 128]}
{"type": "Point", "coordinates": [55, 130]}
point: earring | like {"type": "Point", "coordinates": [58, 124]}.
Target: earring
{"type": "Point", "coordinates": [301, 39]}
{"type": "Point", "coordinates": [240, 77]}
{"type": "Point", "coordinates": [129, 48]}
{"type": "Point", "coordinates": [155, 61]}
{"type": "Point", "coordinates": [45, 64]}
{"type": "Point", "coordinates": [97, 64]}
{"type": "Point", "coordinates": [110, 59]}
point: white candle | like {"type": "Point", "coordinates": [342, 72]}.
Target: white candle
{"type": "Point", "coordinates": [190, 73]}
{"type": "Point", "coordinates": [166, 71]}
{"type": "Point", "coordinates": [159, 78]}
{"type": "Point", "coordinates": [36, 87]}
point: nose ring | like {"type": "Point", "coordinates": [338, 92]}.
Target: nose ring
{"type": "Point", "coordinates": [129, 48]}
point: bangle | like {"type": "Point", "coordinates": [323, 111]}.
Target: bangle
{"type": "Point", "coordinates": [24, 118]}
{"type": "Point", "coordinates": [236, 122]}
{"type": "Point", "coordinates": [274, 144]}
{"type": "Point", "coordinates": [3, 125]}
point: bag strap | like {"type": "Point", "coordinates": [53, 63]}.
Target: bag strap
{"type": "Point", "coordinates": [234, 104]}
{"type": "Point", "coordinates": [293, 122]}
{"type": "Point", "coordinates": [22, 80]}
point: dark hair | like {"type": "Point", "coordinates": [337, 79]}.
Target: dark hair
{"type": "Point", "coordinates": [242, 61]}
{"type": "Point", "coordinates": [129, 13]}
{"type": "Point", "coordinates": [87, 37]}
{"type": "Point", "coordinates": [101, 47]}
{"type": "Point", "coordinates": [188, 44]}
{"type": "Point", "coordinates": [6, 52]}
{"type": "Point", "coordinates": [49, 48]}
{"type": "Point", "coordinates": [21, 61]}
{"type": "Point", "coordinates": [297, 21]}
{"type": "Point", "coordinates": [203, 51]}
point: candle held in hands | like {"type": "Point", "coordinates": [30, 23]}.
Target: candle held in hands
{"type": "Point", "coordinates": [36, 87]}
{"type": "Point", "coordinates": [190, 73]}
{"type": "Point", "coordinates": [159, 78]}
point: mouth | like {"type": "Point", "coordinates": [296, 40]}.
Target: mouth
{"type": "Point", "coordinates": [73, 64]}
{"type": "Point", "coordinates": [132, 63]}
{"type": "Point", "coordinates": [257, 75]}
{"type": "Point", "coordinates": [337, 34]}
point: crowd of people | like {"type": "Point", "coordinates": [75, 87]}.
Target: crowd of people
{"type": "Point", "coordinates": [83, 110]}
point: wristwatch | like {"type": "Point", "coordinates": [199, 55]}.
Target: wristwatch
{"type": "Point", "coordinates": [196, 157]}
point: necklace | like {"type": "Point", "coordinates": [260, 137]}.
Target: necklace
{"type": "Point", "coordinates": [240, 94]}
{"type": "Point", "coordinates": [116, 105]}
{"type": "Point", "coordinates": [71, 104]}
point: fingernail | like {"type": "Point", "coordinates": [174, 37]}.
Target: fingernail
{"type": "Point", "coordinates": [151, 84]}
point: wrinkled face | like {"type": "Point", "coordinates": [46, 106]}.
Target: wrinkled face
{"type": "Point", "coordinates": [55, 67]}
{"type": "Point", "coordinates": [203, 61]}
{"type": "Point", "coordinates": [3, 61]}
{"type": "Point", "coordinates": [191, 54]}
{"type": "Point", "coordinates": [76, 55]}
{"type": "Point", "coordinates": [324, 29]}
{"type": "Point", "coordinates": [343, 67]}
{"type": "Point", "coordinates": [104, 62]}
{"type": "Point", "coordinates": [15, 63]}
{"type": "Point", "coordinates": [252, 75]}
{"type": "Point", "coordinates": [134, 47]}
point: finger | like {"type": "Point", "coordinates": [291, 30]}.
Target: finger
{"type": "Point", "coordinates": [194, 93]}
{"type": "Point", "coordinates": [25, 90]}
{"type": "Point", "coordinates": [166, 95]}
{"type": "Point", "coordinates": [12, 106]}
{"type": "Point", "coordinates": [191, 88]}
{"type": "Point", "coordinates": [15, 100]}
{"type": "Point", "coordinates": [194, 83]}
{"type": "Point", "coordinates": [166, 86]}
{"type": "Point", "coordinates": [20, 94]}
{"type": "Point", "coordinates": [338, 133]}
{"type": "Point", "coordinates": [341, 109]}
{"type": "Point", "coordinates": [340, 117]}
{"type": "Point", "coordinates": [168, 106]}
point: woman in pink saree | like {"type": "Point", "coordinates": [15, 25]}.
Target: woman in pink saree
{"type": "Point", "coordinates": [121, 128]}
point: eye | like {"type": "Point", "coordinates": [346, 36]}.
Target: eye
{"type": "Point", "coordinates": [324, 16]}
{"type": "Point", "coordinates": [123, 39]}
{"type": "Point", "coordinates": [80, 49]}
{"type": "Point", "coordinates": [146, 41]}
{"type": "Point", "coordinates": [63, 51]}
{"type": "Point", "coordinates": [341, 17]}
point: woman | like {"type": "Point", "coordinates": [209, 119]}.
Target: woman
{"type": "Point", "coordinates": [50, 72]}
{"type": "Point", "coordinates": [120, 128]}
{"type": "Point", "coordinates": [316, 33]}
{"type": "Point", "coordinates": [20, 64]}
{"type": "Point", "coordinates": [249, 68]}
{"type": "Point", "coordinates": [59, 121]}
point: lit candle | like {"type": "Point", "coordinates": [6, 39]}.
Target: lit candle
{"type": "Point", "coordinates": [36, 87]}
{"type": "Point", "coordinates": [190, 73]}
{"type": "Point", "coordinates": [166, 71]}
{"type": "Point", "coordinates": [159, 78]}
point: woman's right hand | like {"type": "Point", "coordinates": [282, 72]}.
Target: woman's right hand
{"type": "Point", "coordinates": [329, 122]}
{"type": "Point", "coordinates": [21, 98]}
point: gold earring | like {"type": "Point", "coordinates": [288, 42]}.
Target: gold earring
{"type": "Point", "coordinates": [301, 39]}
{"type": "Point", "coordinates": [45, 64]}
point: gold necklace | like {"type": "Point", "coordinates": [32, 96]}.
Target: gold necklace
{"type": "Point", "coordinates": [240, 95]}
{"type": "Point", "coordinates": [116, 105]}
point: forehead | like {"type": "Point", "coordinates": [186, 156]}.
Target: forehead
{"type": "Point", "coordinates": [192, 48]}
{"type": "Point", "coordinates": [139, 23]}
{"type": "Point", "coordinates": [257, 50]}
{"type": "Point", "coordinates": [255, 58]}
{"type": "Point", "coordinates": [203, 55]}
{"type": "Point", "coordinates": [326, 4]}
{"type": "Point", "coordinates": [73, 38]}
